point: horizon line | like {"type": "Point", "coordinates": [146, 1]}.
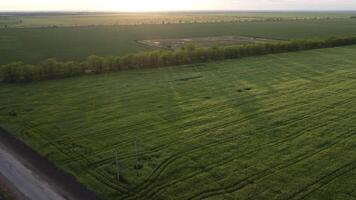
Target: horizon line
{"type": "Point", "coordinates": [172, 11]}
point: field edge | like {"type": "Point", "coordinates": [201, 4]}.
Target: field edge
{"type": "Point", "coordinates": [42, 165]}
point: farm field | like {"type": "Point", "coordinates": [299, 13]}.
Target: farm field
{"type": "Point", "coordinates": [33, 45]}
{"type": "Point", "coordinates": [65, 19]}
{"type": "Point", "coordinates": [279, 126]}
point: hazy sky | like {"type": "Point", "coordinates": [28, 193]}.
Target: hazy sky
{"type": "Point", "coordinates": [167, 5]}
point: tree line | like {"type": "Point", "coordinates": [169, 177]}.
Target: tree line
{"type": "Point", "coordinates": [19, 72]}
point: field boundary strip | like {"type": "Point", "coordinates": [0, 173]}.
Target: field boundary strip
{"type": "Point", "coordinates": [62, 179]}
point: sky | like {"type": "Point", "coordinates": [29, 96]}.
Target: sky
{"type": "Point", "coordinates": [173, 5]}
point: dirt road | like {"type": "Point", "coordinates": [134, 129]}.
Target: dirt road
{"type": "Point", "coordinates": [30, 176]}
{"type": "Point", "coordinates": [24, 180]}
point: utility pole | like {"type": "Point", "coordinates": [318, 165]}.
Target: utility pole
{"type": "Point", "coordinates": [117, 165]}
{"type": "Point", "coordinates": [137, 166]}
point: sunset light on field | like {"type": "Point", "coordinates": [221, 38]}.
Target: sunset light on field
{"type": "Point", "coordinates": [164, 5]}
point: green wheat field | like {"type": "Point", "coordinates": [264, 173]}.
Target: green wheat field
{"type": "Point", "coordinates": [279, 126]}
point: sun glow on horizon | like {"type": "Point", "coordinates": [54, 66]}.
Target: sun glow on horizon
{"type": "Point", "coordinates": [114, 5]}
{"type": "Point", "coordinates": [161, 5]}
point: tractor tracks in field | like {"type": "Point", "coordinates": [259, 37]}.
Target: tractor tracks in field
{"type": "Point", "coordinates": [156, 191]}
{"type": "Point", "coordinates": [323, 181]}
{"type": "Point", "coordinates": [145, 186]}
{"type": "Point", "coordinates": [189, 113]}
{"type": "Point", "coordinates": [205, 110]}
{"type": "Point", "coordinates": [143, 122]}
{"type": "Point", "coordinates": [267, 172]}
{"type": "Point", "coordinates": [223, 162]}
{"type": "Point", "coordinates": [156, 173]}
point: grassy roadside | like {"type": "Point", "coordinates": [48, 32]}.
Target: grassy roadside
{"type": "Point", "coordinates": [4, 193]}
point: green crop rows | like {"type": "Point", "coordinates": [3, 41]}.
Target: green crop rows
{"type": "Point", "coordinates": [272, 127]}
{"type": "Point", "coordinates": [33, 45]}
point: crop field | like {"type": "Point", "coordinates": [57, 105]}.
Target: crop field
{"type": "Point", "coordinates": [123, 19]}
{"type": "Point", "coordinates": [279, 126]}
{"type": "Point", "coordinates": [33, 45]}
{"type": "Point", "coordinates": [66, 19]}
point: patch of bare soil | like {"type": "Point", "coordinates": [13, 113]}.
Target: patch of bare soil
{"type": "Point", "coordinates": [203, 41]}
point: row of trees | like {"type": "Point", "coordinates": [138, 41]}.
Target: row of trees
{"type": "Point", "coordinates": [20, 72]}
